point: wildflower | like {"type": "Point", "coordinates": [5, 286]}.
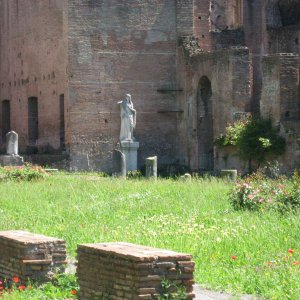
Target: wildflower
{"type": "Point", "coordinates": [296, 263]}
{"type": "Point", "coordinates": [16, 279]}
{"type": "Point", "coordinates": [250, 196]}
{"type": "Point", "coordinates": [73, 292]}
{"type": "Point", "coordinates": [233, 257]}
{"type": "Point", "coordinates": [261, 200]}
{"type": "Point", "coordinates": [22, 287]}
{"type": "Point", "coordinates": [270, 200]}
{"type": "Point", "coordinates": [291, 251]}
{"type": "Point", "coordinates": [1, 288]}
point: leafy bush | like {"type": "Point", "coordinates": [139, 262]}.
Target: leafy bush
{"type": "Point", "coordinates": [254, 138]}
{"type": "Point", "coordinates": [172, 291]}
{"type": "Point", "coordinates": [27, 172]}
{"type": "Point", "coordinates": [257, 192]}
{"type": "Point", "coordinates": [134, 174]}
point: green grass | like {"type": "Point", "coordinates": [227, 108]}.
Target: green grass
{"type": "Point", "coordinates": [187, 217]}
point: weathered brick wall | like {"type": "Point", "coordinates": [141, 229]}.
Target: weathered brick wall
{"type": "Point", "coordinates": [202, 24]}
{"type": "Point", "coordinates": [256, 40]}
{"type": "Point", "coordinates": [230, 74]}
{"type": "Point", "coordinates": [128, 271]}
{"type": "Point", "coordinates": [119, 47]}
{"type": "Point", "coordinates": [281, 101]}
{"type": "Point", "coordinates": [284, 40]}
{"type": "Point", "coordinates": [33, 64]}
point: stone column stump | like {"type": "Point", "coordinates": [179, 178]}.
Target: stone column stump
{"type": "Point", "coordinates": [122, 271]}
{"type": "Point", "coordinates": [229, 174]}
{"type": "Point", "coordinates": [151, 167]}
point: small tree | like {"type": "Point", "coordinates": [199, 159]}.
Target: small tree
{"type": "Point", "coordinates": [255, 140]}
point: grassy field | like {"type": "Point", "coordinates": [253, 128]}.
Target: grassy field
{"type": "Point", "coordinates": [240, 252]}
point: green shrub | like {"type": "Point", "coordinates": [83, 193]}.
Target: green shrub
{"type": "Point", "coordinates": [27, 172]}
{"type": "Point", "coordinates": [254, 138]}
{"type": "Point", "coordinates": [134, 174]}
{"type": "Point", "coordinates": [258, 192]}
{"type": "Point", "coordinates": [172, 291]}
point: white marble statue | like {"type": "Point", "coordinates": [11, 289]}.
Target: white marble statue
{"type": "Point", "coordinates": [128, 119]}
{"type": "Point", "coordinates": [12, 143]}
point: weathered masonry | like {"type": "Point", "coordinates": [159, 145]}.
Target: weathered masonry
{"type": "Point", "coordinates": [191, 67]}
{"type": "Point", "coordinates": [128, 271]}
{"type": "Point", "coordinates": [27, 255]}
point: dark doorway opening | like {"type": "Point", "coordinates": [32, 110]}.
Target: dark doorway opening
{"type": "Point", "coordinates": [5, 119]}
{"type": "Point", "coordinates": [205, 125]}
{"type": "Point", "coordinates": [33, 120]}
{"type": "Point", "coordinates": [62, 121]}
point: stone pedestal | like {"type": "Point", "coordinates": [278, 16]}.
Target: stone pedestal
{"type": "Point", "coordinates": [130, 148]}
{"type": "Point", "coordinates": [151, 167]}
{"type": "Point", "coordinates": [11, 160]}
{"type": "Point", "coordinates": [119, 164]}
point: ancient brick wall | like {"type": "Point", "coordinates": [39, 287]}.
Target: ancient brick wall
{"type": "Point", "coordinates": [202, 24]}
{"type": "Point", "coordinates": [119, 47]}
{"type": "Point", "coordinates": [230, 75]}
{"type": "Point", "coordinates": [281, 102]}
{"type": "Point", "coordinates": [33, 64]}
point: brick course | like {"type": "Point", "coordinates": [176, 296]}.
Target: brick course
{"type": "Point", "coordinates": [128, 271]}
{"type": "Point", "coordinates": [27, 255]}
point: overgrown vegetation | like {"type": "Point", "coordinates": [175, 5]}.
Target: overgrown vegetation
{"type": "Point", "coordinates": [241, 252]}
{"type": "Point", "coordinates": [172, 291]}
{"type": "Point", "coordinates": [254, 139]}
{"type": "Point", "coordinates": [62, 287]}
{"type": "Point", "coordinates": [258, 192]}
{"type": "Point", "coordinates": [27, 172]}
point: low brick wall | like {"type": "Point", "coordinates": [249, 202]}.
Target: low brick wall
{"type": "Point", "coordinates": [27, 255]}
{"type": "Point", "coordinates": [127, 271]}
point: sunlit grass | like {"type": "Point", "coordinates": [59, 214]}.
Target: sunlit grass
{"type": "Point", "coordinates": [187, 217]}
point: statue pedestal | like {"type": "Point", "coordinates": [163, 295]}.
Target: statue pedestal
{"type": "Point", "coordinates": [11, 160]}
{"type": "Point", "coordinates": [130, 148]}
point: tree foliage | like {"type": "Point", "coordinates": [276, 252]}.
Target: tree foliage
{"type": "Point", "coordinates": [254, 138]}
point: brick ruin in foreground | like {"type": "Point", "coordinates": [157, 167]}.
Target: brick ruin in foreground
{"type": "Point", "coordinates": [27, 255]}
{"type": "Point", "coordinates": [127, 271]}
{"type": "Point", "coordinates": [191, 67]}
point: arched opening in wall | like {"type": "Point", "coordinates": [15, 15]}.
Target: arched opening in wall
{"type": "Point", "coordinates": [62, 121]}
{"type": "Point", "coordinates": [205, 125]}
{"type": "Point", "coordinates": [33, 121]}
{"type": "Point", "coordinates": [5, 119]}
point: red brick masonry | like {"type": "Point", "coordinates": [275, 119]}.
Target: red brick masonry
{"type": "Point", "coordinates": [27, 255]}
{"type": "Point", "coordinates": [128, 271]}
